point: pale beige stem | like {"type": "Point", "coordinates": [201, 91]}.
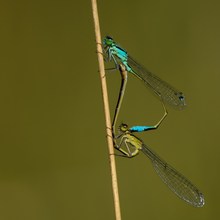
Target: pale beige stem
{"type": "Point", "coordinates": [107, 111]}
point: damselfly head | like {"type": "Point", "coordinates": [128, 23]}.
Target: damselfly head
{"type": "Point", "coordinates": [123, 127]}
{"type": "Point", "coordinates": [108, 41]}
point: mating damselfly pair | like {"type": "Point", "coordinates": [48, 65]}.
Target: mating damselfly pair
{"type": "Point", "coordinates": [179, 184]}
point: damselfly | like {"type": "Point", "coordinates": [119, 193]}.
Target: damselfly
{"type": "Point", "coordinates": [179, 184]}
{"type": "Point", "coordinates": [161, 88]}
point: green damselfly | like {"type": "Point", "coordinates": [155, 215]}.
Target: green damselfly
{"type": "Point", "coordinates": [130, 145]}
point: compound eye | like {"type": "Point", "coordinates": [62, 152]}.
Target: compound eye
{"type": "Point", "coordinates": [109, 38]}
{"type": "Point", "coordinates": [124, 125]}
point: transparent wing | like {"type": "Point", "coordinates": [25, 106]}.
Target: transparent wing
{"type": "Point", "coordinates": [168, 93]}
{"type": "Point", "coordinates": [179, 184]}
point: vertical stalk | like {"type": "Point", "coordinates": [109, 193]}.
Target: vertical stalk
{"type": "Point", "coordinates": [107, 111]}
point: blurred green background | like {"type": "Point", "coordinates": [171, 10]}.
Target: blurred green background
{"type": "Point", "coordinates": [54, 159]}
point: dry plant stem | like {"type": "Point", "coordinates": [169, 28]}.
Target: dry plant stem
{"type": "Point", "coordinates": [107, 111]}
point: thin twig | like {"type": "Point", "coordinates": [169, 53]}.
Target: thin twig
{"type": "Point", "coordinates": [107, 111]}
